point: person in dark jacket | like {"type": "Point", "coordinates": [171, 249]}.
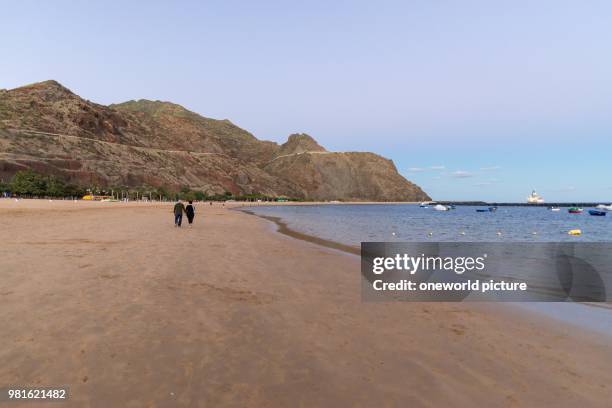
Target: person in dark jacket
{"type": "Point", "coordinates": [190, 212]}
{"type": "Point", "coordinates": [179, 209]}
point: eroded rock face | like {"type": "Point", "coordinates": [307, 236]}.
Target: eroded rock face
{"type": "Point", "coordinates": [48, 128]}
{"type": "Point", "coordinates": [352, 176]}
{"type": "Point", "coordinates": [299, 143]}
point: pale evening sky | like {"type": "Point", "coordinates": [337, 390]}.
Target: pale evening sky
{"type": "Point", "coordinates": [471, 99]}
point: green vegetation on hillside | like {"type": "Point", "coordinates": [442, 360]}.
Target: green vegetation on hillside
{"type": "Point", "coordinates": [28, 183]}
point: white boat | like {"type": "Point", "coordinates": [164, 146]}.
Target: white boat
{"type": "Point", "coordinates": [440, 207]}
{"type": "Point", "coordinates": [604, 207]}
{"type": "Point", "coordinates": [534, 198]}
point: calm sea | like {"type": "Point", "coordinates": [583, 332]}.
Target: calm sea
{"type": "Point", "coordinates": [352, 224]}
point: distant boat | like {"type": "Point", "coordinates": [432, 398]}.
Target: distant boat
{"type": "Point", "coordinates": [575, 210]}
{"type": "Point", "coordinates": [597, 213]}
{"type": "Point", "coordinates": [554, 208]}
{"type": "Point", "coordinates": [604, 207]}
{"type": "Point", "coordinates": [483, 210]}
{"type": "Point", "coordinates": [440, 207]}
{"type": "Point", "coordinates": [451, 207]}
{"type": "Point", "coordinates": [534, 198]}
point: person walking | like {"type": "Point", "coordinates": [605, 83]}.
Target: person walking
{"type": "Point", "coordinates": [190, 212]}
{"type": "Point", "coordinates": [179, 209]}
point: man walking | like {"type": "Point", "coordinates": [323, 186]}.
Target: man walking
{"type": "Point", "coordinates": [179, 209]}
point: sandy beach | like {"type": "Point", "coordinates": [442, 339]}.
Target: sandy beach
{"type": "Point", "coordinates": [112, 301]}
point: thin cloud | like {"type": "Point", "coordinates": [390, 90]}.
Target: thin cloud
{"type": "Point", "coordinates": [490, 168]}
{"type": "Point", "coordinates": [437, 167]}
{"type": "Point", "coordinates": [484, 183]}
{"type": "Point", "coordinates": [462, 174]}
{"type": "Point", "coordinates": [416, 169]}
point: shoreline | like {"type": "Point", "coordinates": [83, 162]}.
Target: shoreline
{"type": "Point", "coordinates": [113, 301]}
{"type": "Point", "coordinates": [283, 228]}
{"type": "Point", "coordinates": [581, 316]}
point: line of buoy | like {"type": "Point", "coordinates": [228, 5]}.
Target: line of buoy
{"type": "Point", "coordinates": [499, 233]}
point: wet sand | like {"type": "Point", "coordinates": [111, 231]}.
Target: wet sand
{"type": "Point", "coordinates": [128, 311]}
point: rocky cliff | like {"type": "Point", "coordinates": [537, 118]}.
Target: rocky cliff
{"type": "Point", "coordinates": [48, 128]}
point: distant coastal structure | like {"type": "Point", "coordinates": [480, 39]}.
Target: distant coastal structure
{"type": "Point", "coordinates": [534, 198]}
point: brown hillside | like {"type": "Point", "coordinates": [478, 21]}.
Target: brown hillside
{"type": "Point", "coordinates": [46, 127]}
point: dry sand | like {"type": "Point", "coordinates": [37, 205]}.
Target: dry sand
{"type": "Point", "coordinates": [128, 311]}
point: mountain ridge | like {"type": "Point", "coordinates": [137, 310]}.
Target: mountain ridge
{"type": "Point", "coordinates": [46, 127]}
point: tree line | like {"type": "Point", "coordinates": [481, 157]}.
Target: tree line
{"type": "Point", "coordinates": [28, 183]}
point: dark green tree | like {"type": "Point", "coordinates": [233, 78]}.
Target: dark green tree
{"type": "Point", "coordinates": [28, 183]}
{"type": "Point", "coordinates": [55, 187]}
{"type": "Point", "coordinates": [200, 196]}
{"type": "Point", "coordinates": [72, 190]}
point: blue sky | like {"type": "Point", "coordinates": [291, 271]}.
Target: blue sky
{"type": "Point", "coordinates": [471, 99]}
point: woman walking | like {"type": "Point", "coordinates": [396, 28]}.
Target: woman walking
{"type": "Point", "coordinates": [190, 212]}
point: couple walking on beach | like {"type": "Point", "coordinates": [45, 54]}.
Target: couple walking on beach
{"type": "Point", "coordinates": [179, 209]}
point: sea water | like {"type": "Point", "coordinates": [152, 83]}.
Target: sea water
{"type": "Point", "coordinates": [352, 224]}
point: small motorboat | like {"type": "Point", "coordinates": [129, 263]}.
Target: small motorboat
{"type": "Point", "coordinates": [452, 207]}
{"type": "Point", "coordinates": [604, 207]}
{"type": "Point", "coordinates": [554, 209]}
{"type": "Point", "coordinates": [483, 210]}
{"type": "Point", "coordinates": [597, 213]}
{"type": "Point", "coordinates": [575, 210]}
{"type": "Point", "coordinates": [440, 207]}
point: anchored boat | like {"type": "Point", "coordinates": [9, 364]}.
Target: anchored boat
{"type": "Point", "coordinates": [483, 210]}
{"type": "Point", "coordinates": [597, 213]}
{"type": "Point", "coordinates": [575, 210]}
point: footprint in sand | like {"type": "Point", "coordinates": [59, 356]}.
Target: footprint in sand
{"type": "Point", "coordinates": [108, 276]}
